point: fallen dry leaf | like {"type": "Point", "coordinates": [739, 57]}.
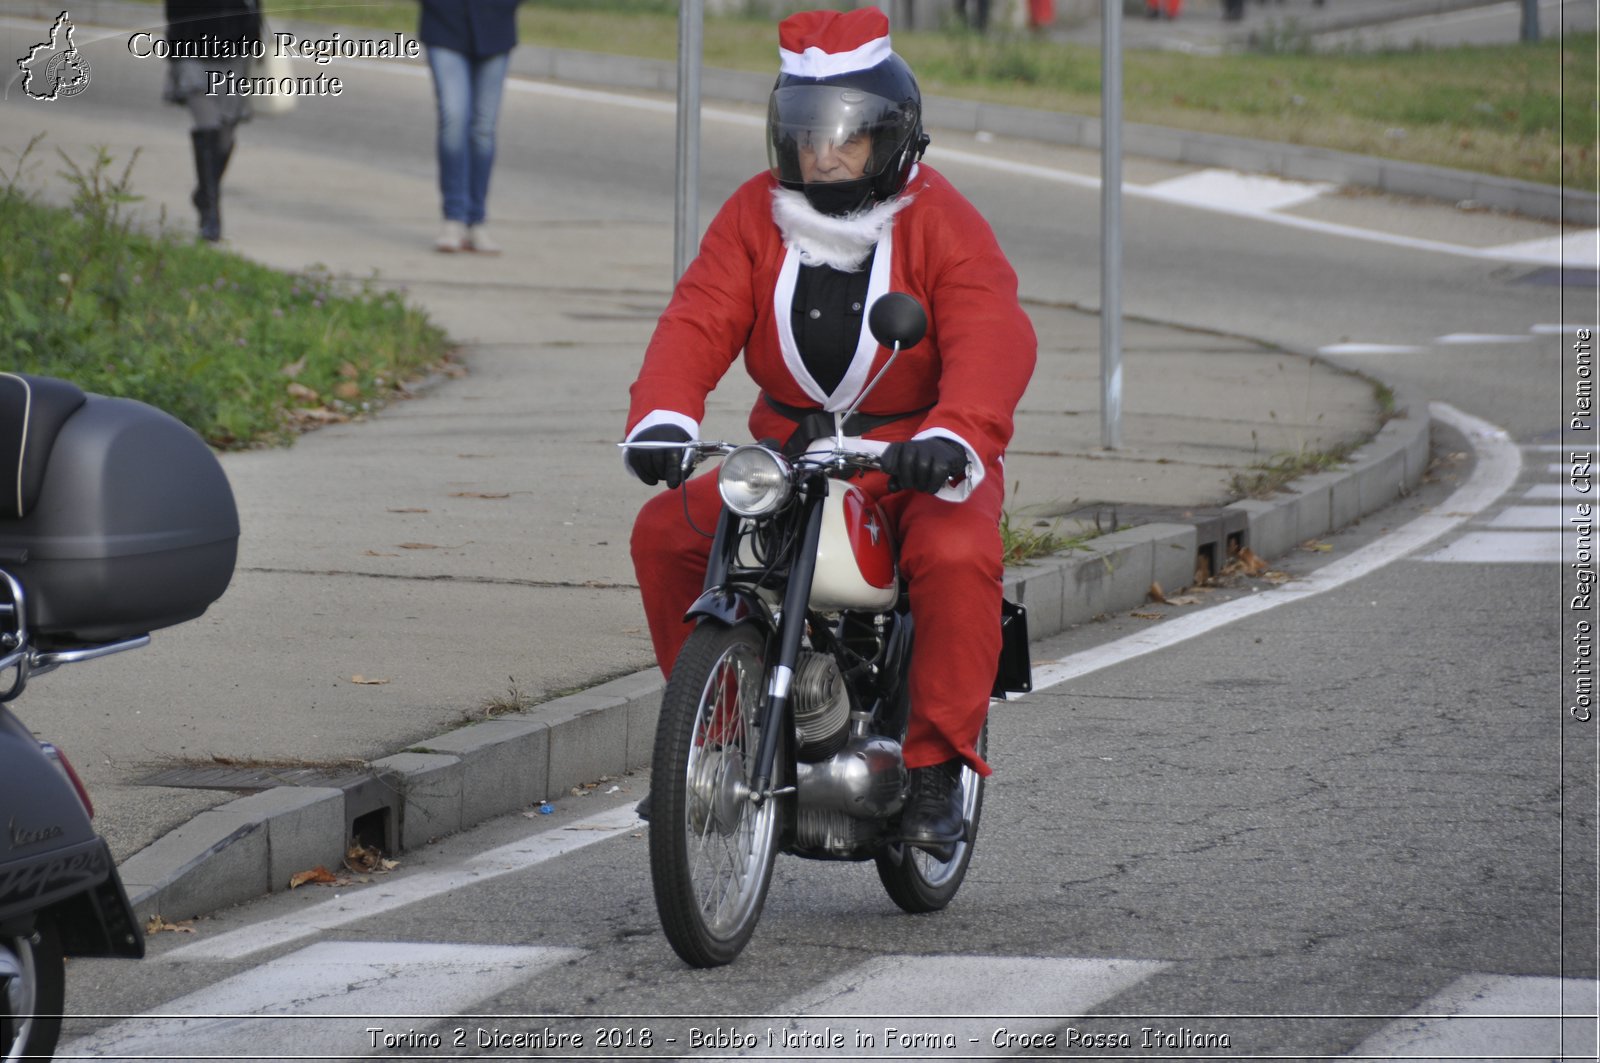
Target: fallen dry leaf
{"type": "Point", "coordinates": [300, 391]}
{"type": "Point", "coordinates": [347, 389]}
{"type": "Point", "coordinates": [361, 680]}
{"type": "Point", "coordinates": [480, 494]}
{"type": "Point", "coordinates": [349, 371]}
{"type": "Point", "coordinates": [1184, 599]}
{"type": "Point", "coordinates": [294, 368]}
{"type": "Point", "coordinates": [375, 553]}
{"type": "Point", "coordinates": [368, 859]}
{"type": "Point", "coordinates": [1249, 561]}
{"type": "Point", "coordinates": [1156, 594]}
{"type": "Point", "coordinates": [158, 925]}
{"type": "Point", "coordinates": [407, 509]}
{"type": "Point", "coordinates": [1316, 547]}
{"type": "Point", "coordinates": [318, 876]}
{"type": "Point", "coordinates": [1148, 616]}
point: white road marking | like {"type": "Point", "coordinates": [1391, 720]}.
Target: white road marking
{"type": "Point", "coordinates": [338, 989]}
{"type": "Point", "coordinates": [1370, 348]}
{"type": "Point", "coordinates": [1499, 548]}
{"type": "Point", "coordinates": [1492, 1017]}
{"type": "Point", "coordinates": [965, 998]}
{"type": "Point", "coordinates": [1578, 249]}
{"type": "Point", "coordinates": [1565, 330]}
{"type": "Point", "coordinates": [1234, 190]}
{"type": "Point", "coordinates": [1464, 338]}
{"type": "Point", "coordinates": [1528, 517]}
{"type": "Point", "coordinates": [1499, 463]}
{"type": "Point", "coordinates": [1549, 492]}
{"type": "Point", "coordinates": [399, 892]}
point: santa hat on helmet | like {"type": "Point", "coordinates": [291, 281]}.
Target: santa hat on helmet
{"type": "Point", "coordinates": [825, 44]}
{"type": "Point", "coordinates": [836, 67]}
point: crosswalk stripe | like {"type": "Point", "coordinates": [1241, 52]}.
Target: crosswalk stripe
{"type": "Point", "coordinates": [949, 1002]}
{"type": "Point", "coordinates": [1494, 1017]}
{"type": "Point", "coordinates": [345, 985]}
{"type": "Point", "coordinates": [1496, 548]}
{"type": "Point", "coordinates": [1528, 517]}
{"type": "Point", "coordinates": [1551, 493]}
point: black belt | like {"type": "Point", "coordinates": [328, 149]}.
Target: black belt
{"type": "Point", "coordinates": [812, 423]}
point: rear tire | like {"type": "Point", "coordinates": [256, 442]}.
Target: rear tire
{"type": "Point", "coordinates": [31, 1003]}
{"type": "Point", "coordinates": [919, 881]}
{"type": "Point", "coordinates": [711, 847]}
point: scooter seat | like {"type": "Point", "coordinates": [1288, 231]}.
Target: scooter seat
{"type": "Point", "coordinates": [32, 411]}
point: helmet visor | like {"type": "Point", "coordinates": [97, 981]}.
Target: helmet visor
{"type": "Point", "coordinates": [821, 134]}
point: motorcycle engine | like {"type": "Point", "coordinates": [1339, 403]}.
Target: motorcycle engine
{"type": "Point", "coordinates": [821, 708]}
{"type": "Point", "coordinates": [844, 800]}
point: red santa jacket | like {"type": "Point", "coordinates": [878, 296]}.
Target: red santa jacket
{"type": "Point", "coordinates": [969, 371]}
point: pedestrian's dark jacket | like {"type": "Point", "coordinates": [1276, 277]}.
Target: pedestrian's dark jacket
{"type": "Point", "coordinates": [477, 29]}
{"type": "Point", "coordinates": [209, 29]}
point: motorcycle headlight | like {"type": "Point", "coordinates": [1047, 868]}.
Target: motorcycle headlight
{"type": "Point", "coordinates": [754, 481]}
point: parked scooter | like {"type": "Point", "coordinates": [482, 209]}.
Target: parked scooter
{"type": "Point", "coordinates": [115, 520]}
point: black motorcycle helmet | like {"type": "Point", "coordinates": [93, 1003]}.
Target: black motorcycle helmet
{"type": "Point", "coordinates": [827, 96]}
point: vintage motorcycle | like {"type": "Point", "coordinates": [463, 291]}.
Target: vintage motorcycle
{"type": "Point", "coordinates": [115, 520]}
{"type": "Point", "coordinates": [782, 723]}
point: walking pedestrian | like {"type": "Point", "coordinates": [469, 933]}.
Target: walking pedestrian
{"type": "Point", "coordinates": [210, 35]}
{"type": "Point", "coordinates": [1162, 8]}
{"type": "Point", "coordinates": [469, 46]}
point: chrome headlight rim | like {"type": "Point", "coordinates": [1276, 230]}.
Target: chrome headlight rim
{"type": "Point", "coordinates": [754, 481]}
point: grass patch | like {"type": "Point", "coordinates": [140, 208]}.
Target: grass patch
{"type": "Point", "coordinates": [241, 353]}
{"type": "Point", "coordinates": [1526, 111]}
{"type": "Point", "coordinates": [1024, 540]}
{"type": "Point", "coordinates": [1266, 478]}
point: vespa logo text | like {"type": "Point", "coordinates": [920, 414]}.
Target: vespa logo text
{"type": "Point", "coordinates": [55, 69]}
{"type": "Point", "coordinates": [22, 837]}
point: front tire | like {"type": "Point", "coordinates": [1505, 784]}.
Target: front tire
{"type": "Point", "coordinates": [31, 1001]}
{"type": "Point", "coordinates": [920, 881]}
{"type": "Point", "coordinates": [711, 847]}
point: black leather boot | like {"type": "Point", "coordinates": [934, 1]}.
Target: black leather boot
{"type": "Point", "coordinates": [207, 196]}
{"type": "Point", "coordinates": [933, 816]}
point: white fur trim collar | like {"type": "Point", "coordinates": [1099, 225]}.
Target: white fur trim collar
{"type": "Point", "coordinates": [824, 240]}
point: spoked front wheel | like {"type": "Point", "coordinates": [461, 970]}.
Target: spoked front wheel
{"type": "Point", "coordinates": [711, 846]}
{"type": "Point", "coordinates": [920, 881]}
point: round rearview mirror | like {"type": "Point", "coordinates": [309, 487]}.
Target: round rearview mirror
{"type": "Point", "coordinates": [897, 318]}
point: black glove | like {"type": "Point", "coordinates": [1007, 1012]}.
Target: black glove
{"type": "Point", "coordinates": [924, 464]}
{"type": "Point", "coordinates": [654, 464]}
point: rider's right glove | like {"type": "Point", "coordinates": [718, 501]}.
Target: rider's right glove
{"type": "Point", "coordinates": [654, 464]}
{"type": "Point", "coordinates": [924, 464]}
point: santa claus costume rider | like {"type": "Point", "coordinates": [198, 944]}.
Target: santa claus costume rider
{"type": "Point", "coordinates": [786, 273]}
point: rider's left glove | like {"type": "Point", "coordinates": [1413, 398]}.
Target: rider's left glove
{"type": "Point", "coordinates": [924, 464]}
{"type": "Point", "coordinates": [655, 464]}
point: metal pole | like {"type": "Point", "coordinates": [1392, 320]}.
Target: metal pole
{"type": "Point", "coordinates": [1111, 225]}
{"type": "Point", "coordinates": [1530, 20]}
{"type": "Point", "coordinates": [686, 215]}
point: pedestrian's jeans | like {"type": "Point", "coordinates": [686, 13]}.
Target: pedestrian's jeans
{"type": "Point", "coordinates": [468, 94]}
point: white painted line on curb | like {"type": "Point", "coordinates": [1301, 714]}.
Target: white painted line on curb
{"type": "Point", "coordinates": [363, 903]}
{"type": "Point", "coordinates": [1464, 338]}
{"type": "Point", "coordinates": [339, 990]}
{"type": "Point", "coordinates": [1498, 465]}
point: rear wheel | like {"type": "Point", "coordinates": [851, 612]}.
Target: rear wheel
{"type": "Point", "coordinates": [711, 846]}
{"type": "Point", "coordinates": [32, 991]}
{"type": "Point", "coordinates": [920, 881]}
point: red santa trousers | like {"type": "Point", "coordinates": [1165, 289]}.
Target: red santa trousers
{"type": "Point", "coordinates": [950, 558]}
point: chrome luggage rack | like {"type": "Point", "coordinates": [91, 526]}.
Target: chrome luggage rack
{"type": "Point", "coordinates": [19, 652]}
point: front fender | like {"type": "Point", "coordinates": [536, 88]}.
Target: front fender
{"type": "Point", "coordinates": [732, 605]}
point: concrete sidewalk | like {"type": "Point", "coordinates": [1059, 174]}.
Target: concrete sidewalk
{"type": "Point", "coordinates": [471, 545]}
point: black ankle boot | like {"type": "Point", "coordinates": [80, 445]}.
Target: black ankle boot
{"type": "Point", "coordinates": [933, 816]}
{"type": "Point", "coordinates": [208, 176]}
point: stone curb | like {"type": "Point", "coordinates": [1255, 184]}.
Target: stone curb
{"type": "Point", "coordinates": [1574, 206]}
{"type": "Point", "coordinates": [250, 847]}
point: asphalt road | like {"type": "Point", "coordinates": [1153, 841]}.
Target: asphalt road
{"type": "Point", "coordinates": [1286, 832]}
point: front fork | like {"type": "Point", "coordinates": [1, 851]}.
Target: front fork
{"type": "Point", "coordinates": [791, 625]}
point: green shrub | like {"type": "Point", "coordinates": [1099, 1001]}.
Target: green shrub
{"type": "Point", "coordinates": [241, 353]}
